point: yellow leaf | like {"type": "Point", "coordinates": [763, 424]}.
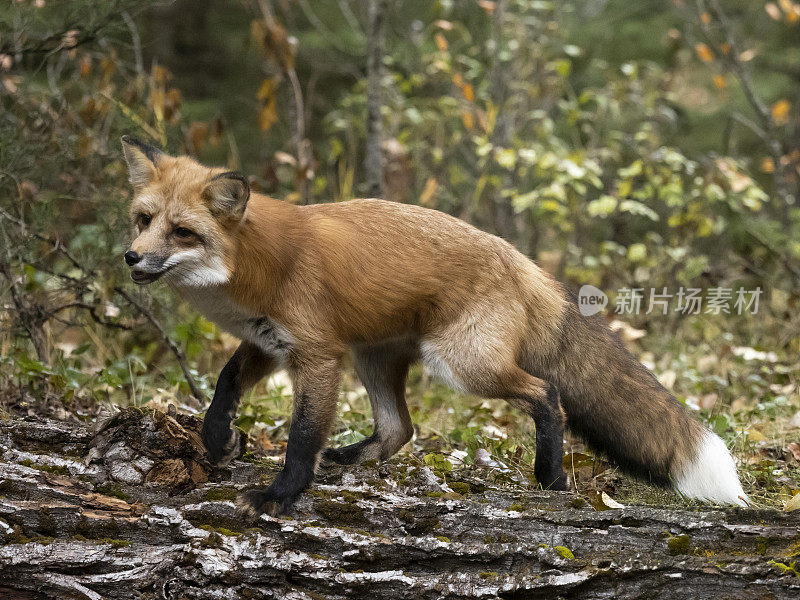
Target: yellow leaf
{"type": "Point", "coordinates": [720, 82]}
{"type": "Point", "coordinates": [754, 435]}
{"type": "Point", "coordinates": [469, 93]}
{"type": "Point", "coordinates": [441, 42]}
{"type": "Point", "coordinates": [458, 80]}
{"type": "Point", "coordinates": [468, 119]}
{"type": "Point", "coordinates": [267, 89]}
{"type": "Point", "coordinates": [704, 52]}
{"type": "Point", "coordinates": [267, 116]}
{"type": "Point", "coordinates": [793, 503]}
{"type": "Point", "coordinates": [705, 18]}
{"type": "Point", "coordinates": [430, 189]}
{"type": "Point", "coordinates": [780, 112]}
{"type": "Point", "coordinates": [791, 9]}
{"type": "Point", "coordinates": [767, 165]}
{"type": "Point", "coordinates": [726, 48]}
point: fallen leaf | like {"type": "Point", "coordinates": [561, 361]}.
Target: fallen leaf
{"type": "Point", "coordinates": [794, 448]}
{"type": "Point", "coordinates": [602, 501]}
{"type": "Point", "coordinates": [792, 504]}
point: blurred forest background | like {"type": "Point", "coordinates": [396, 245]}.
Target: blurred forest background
{"type": "Point", "coordinates": [620, 144]}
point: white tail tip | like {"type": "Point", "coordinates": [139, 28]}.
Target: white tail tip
{"type": "Point", "coordinates": [711, 475]}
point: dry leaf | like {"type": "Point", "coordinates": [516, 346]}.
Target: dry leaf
{"type": "Point", "coordinates": [431, 185]}
{"type": "Point", "coordinates": [793, 503]}
{"type": "Point", "coordinates": [469, 93]}
{"type": "Point", "coordinates": [747, 55]}
{"type": "Point", "coordinates": [285, 158]}
{"type": "Point", "coordinates": [196, 136]}
{"type": "Point", "coordinates": [704, 52]}
{"type": "Point", "coordinates": [794, 448]}
{"type": "Point", "coordinates": [780, 112]}
{"type": "Point", "coordinates": [773, 11]}
{"type": "Point", "coordinates": [602, 501]}
{"type": "Point", "coordinates": [626, 332]}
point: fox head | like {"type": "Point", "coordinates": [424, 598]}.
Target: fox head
{"type": "Point", "coordinates": [183, 214]}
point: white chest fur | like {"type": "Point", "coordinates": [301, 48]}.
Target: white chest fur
{"type": "Point", "coordinates": [270, 336]}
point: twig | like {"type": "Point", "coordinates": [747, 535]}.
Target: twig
{"type": "Point", "coordinates": [376, 41]}
{"type": "Point", "coordinates": [785, 260]}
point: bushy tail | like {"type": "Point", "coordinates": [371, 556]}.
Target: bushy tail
{"type": "Point", "coordinates": [622, 411]}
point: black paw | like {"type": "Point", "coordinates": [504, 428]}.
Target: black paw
{"type": "Point", "coordinates": [333, 457]}
{"type": "Point", "coordinates": [348, 455]}
{"type": "Point", "coordinates": [253, 503]}
{"type": "Point", "coordinates": [221, 440]}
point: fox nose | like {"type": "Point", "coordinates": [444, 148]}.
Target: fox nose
{"type": "Point", "coordinates": [132, 257]}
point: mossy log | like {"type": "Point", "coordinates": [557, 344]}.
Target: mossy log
{"type": "Point", "coordinates": [130, 508]}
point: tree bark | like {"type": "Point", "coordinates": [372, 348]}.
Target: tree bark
{"type": "Point", "coordinates": [124, 510]}
{"type": "Point", "coordinates": [376, 44]}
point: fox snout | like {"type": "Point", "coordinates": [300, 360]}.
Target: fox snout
{"type": "Point", "coordinates": [145, 268]}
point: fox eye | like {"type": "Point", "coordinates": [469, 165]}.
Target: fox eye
{"type": "Point", "coordinates": [183, 232]}
{"type": "Point", "coordinates": [144, 220]}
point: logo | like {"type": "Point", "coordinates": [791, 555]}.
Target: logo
{"type": "Point", "coordinates": [591, 300]}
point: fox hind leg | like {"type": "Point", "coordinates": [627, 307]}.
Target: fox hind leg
{"type": "Point", "coordinates": [479, 361]}
{"type": "Point", "coordinates": [549, 419]}
{"type": "Point", "coordinates": [383, 370]}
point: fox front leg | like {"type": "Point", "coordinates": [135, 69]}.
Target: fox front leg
{"type": "Point", "coordinates": [316, 387]}
{"type": "Point", "coordinates": [247, 365]}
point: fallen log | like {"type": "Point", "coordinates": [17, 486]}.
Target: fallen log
{"type": "Point", "coordinates": [130, 508]}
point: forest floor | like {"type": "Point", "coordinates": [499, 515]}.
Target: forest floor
{"type": "Point", "coordinates": [126, 506]}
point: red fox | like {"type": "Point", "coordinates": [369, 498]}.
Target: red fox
{"type": "Point", "coordinates": [395, 284]}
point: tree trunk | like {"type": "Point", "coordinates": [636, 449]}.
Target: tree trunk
{"type": "Point", "coordinates": [124, 510]}
{"type": "Point", "coordinates": [375, 49]}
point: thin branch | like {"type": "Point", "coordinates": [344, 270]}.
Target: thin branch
{"type": "Point", "coordinates": [770, 136]}
{"type": "Point", "coordinates": [303, 145]}
{"type": "Point", "coordinates": [786, 261]}
{"type": "Point", "coordinates": [376, 42]}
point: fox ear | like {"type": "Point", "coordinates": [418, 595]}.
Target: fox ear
{"type": "Point", "coordinates": [142, 159]}
{"type": "Point", "coordinates": [227, 195]}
